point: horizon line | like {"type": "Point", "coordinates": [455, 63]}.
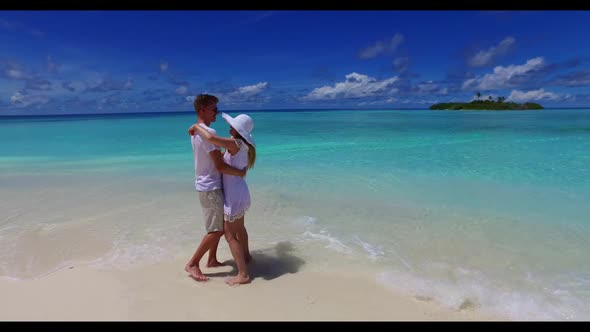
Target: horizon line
{"type": "Point", "coordinates": [270, 110]}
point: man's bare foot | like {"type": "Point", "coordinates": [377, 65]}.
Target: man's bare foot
{"type": "Point", "coordinates": [248, 258]}
{"type": "Point", "coordinates": [214, 263]}
{"type": "Point", "coordinates": [195, 273]}
{"type": "Point", "coordinates": [237, 280]}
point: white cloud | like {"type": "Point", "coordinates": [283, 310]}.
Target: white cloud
{"type": "Point", "coordinates": [16, 74]}
{"type": "Point", "coordinates": [108, 84]}
{"type": "Point", "coordinates": [246, 91]}
{"type": "Point", "coordinates": [23, 100]}
{"type": "Point", "coordinates": [38, 84]}
{"type": "Point", "coordinates": [378, 102]}
{"type": "Point", "coordinates": [419, 101]}
{"type": "Point", "coordinates": [244, 94]}
{"type": "Point", "coordinates": [580, 78]}
{"type": "Point", "coordinates": [17, 97]}
{"type": "Point", "coordinates": [541, 94]}
{"type": "Point", "coordinates": [385, 46]}
{"type": "Point", "coordinates": [251, 90]}
{"type": "Point", "coordinates": [13, 70]}
{"type": "Point", "coordinates": [504, 76]}
{"type": "Point", "coordinates": [163, 66]}
{"type": "Point", "coordinates": [483, 58]}
{"type": "Point", "coordinates": [50, 89]}
{"type": "Point", "coordinates": [73, 86]}
{"type": "Point", "coordinates": [182, 90]}
{"type": "Point", "coordinates": [368, 103]}
{"type": "Point", "coordinates": [355, 86]}
{"type": "Point", "coordinates": [112, 100]}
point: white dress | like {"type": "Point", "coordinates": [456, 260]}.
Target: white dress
{"type": "Point", "coordinates": [236, 200]}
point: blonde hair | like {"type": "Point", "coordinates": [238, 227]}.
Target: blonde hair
{"type": "Point", "coordinates": [251, 150]}
{"type": "Point", "coordinates": [251, 155]}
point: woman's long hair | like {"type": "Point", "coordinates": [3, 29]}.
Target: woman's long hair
{"type": "Point", "coordinates": [251, 151]}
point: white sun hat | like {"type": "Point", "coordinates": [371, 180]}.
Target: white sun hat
{"type": "Point", "coordinates": [243, 124]}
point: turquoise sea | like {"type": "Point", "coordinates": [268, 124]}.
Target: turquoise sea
{"type": "Point", "coordinates": [485, 210]}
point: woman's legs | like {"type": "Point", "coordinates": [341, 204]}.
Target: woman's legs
{"type": "Point", "coordinates": [242, 235]}
{"type": "Point", "coordinates": [237, 252]}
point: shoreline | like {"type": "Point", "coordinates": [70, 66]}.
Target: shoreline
{"type": "Point", "coordinates": [165, 292]}
{"type": "Point", "coordinates": [124, 230]}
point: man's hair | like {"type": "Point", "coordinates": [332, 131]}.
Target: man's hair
{"type": "Point", "coordinates": [203, 100]}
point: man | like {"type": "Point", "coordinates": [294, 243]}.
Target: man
{"type": "Point", "coordinates": [208, 168]}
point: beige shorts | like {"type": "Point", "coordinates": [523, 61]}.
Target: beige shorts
{"type": "Point", "coordinates": [212, 205]}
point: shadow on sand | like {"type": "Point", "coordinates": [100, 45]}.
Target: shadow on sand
{"type": "Point", "coordinates": [268, 263]}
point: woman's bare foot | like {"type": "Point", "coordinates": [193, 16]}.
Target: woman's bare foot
{"type": "Point", "coordinates": [237, 280]}
{"type": "Point", "coordinates": [195, 273]}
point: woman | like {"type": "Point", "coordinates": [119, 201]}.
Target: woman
{"type": "Point", "coordinates": [240, 153]}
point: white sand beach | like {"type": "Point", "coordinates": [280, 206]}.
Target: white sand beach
{"type": "Point", "coordinates": [164, 292]}
{"type": "Point", "coordinates": [104, 255]}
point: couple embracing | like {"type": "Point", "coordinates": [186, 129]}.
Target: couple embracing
{"type": "Point", "coordinates": [221, 188]}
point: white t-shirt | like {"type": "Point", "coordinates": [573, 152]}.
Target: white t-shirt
{"type": "Point", "coordinates": [207, 178]}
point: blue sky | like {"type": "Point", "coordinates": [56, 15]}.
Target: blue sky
{"type": "Point", "coordinates": [54, 62]}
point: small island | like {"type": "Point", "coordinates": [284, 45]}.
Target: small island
{"type": "Point", "coordinates": [487, 104]}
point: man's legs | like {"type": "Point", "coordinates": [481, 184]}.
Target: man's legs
{"type": "Point", "coordinates": [209, 241]}
{"type": "Point", "coordinates": [212, 205]}
{"type": "Point", "coordinates": [238, 252]}
{"type": "Point", "coordinates": [212, 260]}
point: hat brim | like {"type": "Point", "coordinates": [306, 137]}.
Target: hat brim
{"type": "Point", "coordinates": [233, 123]}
